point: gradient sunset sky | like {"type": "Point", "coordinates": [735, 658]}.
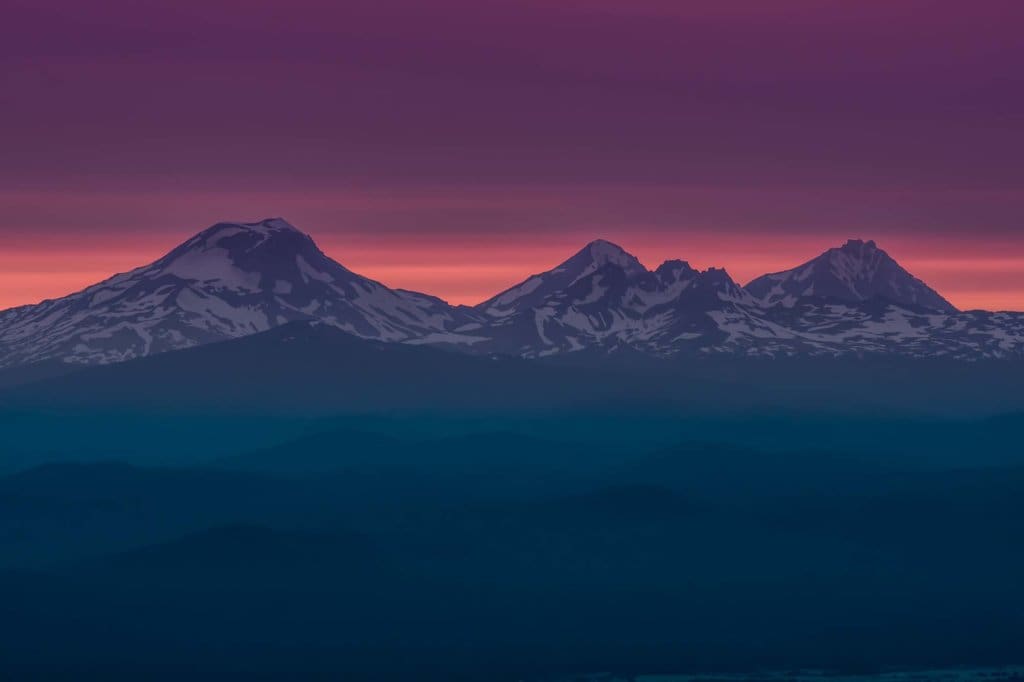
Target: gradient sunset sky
{"type": "Point", "coordinates": [457, 146]}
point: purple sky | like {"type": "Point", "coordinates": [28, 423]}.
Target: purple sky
{"type": "Point", "coordinates": [456, 145]}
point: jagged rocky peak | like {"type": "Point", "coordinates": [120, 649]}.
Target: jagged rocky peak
{"type": "Point", "coordinates": [860, 245]}
{"type": "Point", "coordinates": [717, 279]}
{"type": "Point", "coordinates": [717, 282]}
{"type": "Point", "coordinates": [857, 258]}
{"type": "Point", "coordinates": [674, 270]}
{"type": "Point", "coordinates": [855, 272]}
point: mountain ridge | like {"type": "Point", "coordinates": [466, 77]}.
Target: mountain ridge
{"type": "Point", "coordinates": [236, 279]}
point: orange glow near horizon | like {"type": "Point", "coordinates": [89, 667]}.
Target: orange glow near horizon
{"type": "Point", "coordinates": [470, 273]}
{"type": "Point", "coordinates": [455, 147]}
{"type": "Point", "coordinates": [468, 244]}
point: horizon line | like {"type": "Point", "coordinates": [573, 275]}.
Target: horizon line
{"type": "Point", "coordinates": [360, 270]}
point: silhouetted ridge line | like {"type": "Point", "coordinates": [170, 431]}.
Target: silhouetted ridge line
{"type": "Point", "coordinates": [237, 279]}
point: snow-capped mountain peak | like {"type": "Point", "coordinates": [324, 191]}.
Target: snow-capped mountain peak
{"type": "Point", "coordinates": [249, 257]}
{"type": "Point", "coordinates": [230, 280]}
{"type": "Point", "coordinates": [600, 252]}
{"type": "Point", "coordinates": [267, 255]}
{"type": "Point", "coordinates": [593, 257]}
{"type": "Point", "coordinates": [855, 272]}
{"type": "Point", "coordinates": [596, 256]}
{"type": "Point", "coordinates": [242, 237]}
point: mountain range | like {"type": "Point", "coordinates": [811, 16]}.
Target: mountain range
{"type": "Point", "coordinates": [237, 279]}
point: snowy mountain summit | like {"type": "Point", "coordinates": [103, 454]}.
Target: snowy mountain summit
{"type": "Point", "coordinates": [604, 297]}
{"type": "Point", "coordinates": [597, 256]}
{"type": "Point", "coordinates": [855, 272]}
{"type": "Point", "coordinates": [230, 280]}
{"type": "Point", "coordinates": [237, 279]}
